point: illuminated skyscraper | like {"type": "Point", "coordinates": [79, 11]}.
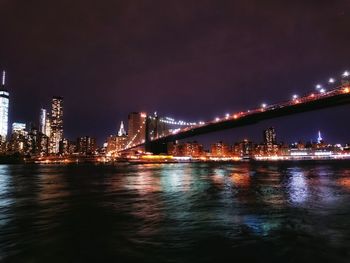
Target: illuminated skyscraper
{"type": "Point", "coordinates": [193, 149]}
{"type": "Point", "coordinates": [86, 145]}
{"type": "Point", "coordinates": [121, 139]}
{"type": "Point", "coordinates": [136, 128]}
{"type": "Point", "coordinates": [42, 125]}
{"type": "Point", "coordinates": [220, 149]}
{"type": "Point", "coordinates": [319, 137]}
{"type": "Point", "coordinates": [18, 137]}
{"type": "Point", "coordinates": [4, 109]}
{"type": "Point", "coordinates": [270, 136]}
{"type": "Point", "coordinates": [56, 124]}
{"type": "Point", "coordinates": [116, 143]}
{"type": "Point", "coordinates": [121, 131]}
{"type": "Point", "coordinates": [270, 140]}
{"type": "Point", "coordinates": [19, 127]}
{"type": "Point", "coordinates": [45, 123]}
{"type": "Point", "coordinates": [47, 130]}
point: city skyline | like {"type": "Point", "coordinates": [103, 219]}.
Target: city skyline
{"type": "Point", "coordinates": [53, 124]}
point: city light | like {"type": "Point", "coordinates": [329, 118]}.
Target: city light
{"type": "Point", "coordinates": [263, 105]}
{"type": "Point", "coordinates": [318, 86]}
{"type": "Point", "coordinates": [331, 80]}
{"type": "Point", "coordinates": [295, 96]}
{"type": "Point", "coordinates": [322, 90]}
{"type": "Point", "coordinates": [346, 74]}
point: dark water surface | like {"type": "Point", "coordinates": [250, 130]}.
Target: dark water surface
{"type": "Point", "coordinates": [244, 212]}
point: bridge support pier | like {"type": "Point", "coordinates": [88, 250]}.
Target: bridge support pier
{"type": "Point", "coordinates": [157, 148]}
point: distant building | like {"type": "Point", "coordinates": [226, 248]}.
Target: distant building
{"type": "Point", "coordinates": [259, 149]}
{"type": "Point", "coordinates": [19, 127]}
{"type": "Point", "coordinates": [111, 144]}
{"type": "Point", "coordinates": [193, 149]}
{"type": "Point", "coordinates": [271, 146]}
{"type": "Point", "coordinates": [45, 122]}
{"type": "Point", "coordinates": [319, 138]}
{"type": "Point", "coordinates": [43, 144]}
{"type": "Point", "coordinates": [47, 130]}
{"type": "Point", "coordinates": [243, 149]}
{"type": "Point", "coordinates": [4, 109]}
{"type": "Point", "coordinates": [121, 139]}
{"type": "Point", "coordinates": [121, 131]}
{"type": "Point", "coordinates": [56, 135]}
{"type": "Point", "coordinates": [64, 147]}
{"type": "Point", "coordinates": [220, 149]}
{"type": "Point", "coordinates": [32, 145]}
{"type": "Point", "coordinates": [86, 145]}
{"type": "Point", "coordinates": [136, 128]}
{"type": "Point", "coordinates": [116, 143]}
{"type": "Point", "coordinates": [42, 121]}
{"type": "Point", "coordinates": [72, 147]}
{"type": "Point", "coordinates": [18, 140]}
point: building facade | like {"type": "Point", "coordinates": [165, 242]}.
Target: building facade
{"type": "Point", "coordinates": [56, 134]}
{"type": "Point", "coordinates": [136, 128]}
{"type": "Point", "coordinates": [193, 149]}
{"type": "Point", "coordinates": [220, 149]}
{"type": "Point", "coordinates": [117, 143]}
{"type": "Point", "coordinates": [271, 146]}
{"type": "Point", "coordinates": [86, 145]}
{"type": "Point", "coordinates": [4, 109]}
{"type": "Point", "coordinates": [42, 121]}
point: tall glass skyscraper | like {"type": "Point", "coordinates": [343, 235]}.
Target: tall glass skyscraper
{"type": "Point", "coordinates": [45, 122]}
{"type": "Point", "coordinates": [42, 125]}
{"type": "Point", "coordinates": [4, 109]}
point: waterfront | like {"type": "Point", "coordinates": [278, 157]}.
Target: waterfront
{"type": "Point", "coordinates": [256, 212]}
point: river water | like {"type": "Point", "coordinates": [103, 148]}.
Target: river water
{"type": "Point", "coordinates": [199, 212]}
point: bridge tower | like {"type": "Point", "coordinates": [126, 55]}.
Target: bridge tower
{"type": "Point", "coordinates": [154, 129]}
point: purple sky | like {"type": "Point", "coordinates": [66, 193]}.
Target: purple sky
{"type": "Point", "coordinates": [189, 60]}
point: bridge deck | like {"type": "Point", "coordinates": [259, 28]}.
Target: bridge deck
{"type": "Point", "coordinates": [310, 102]}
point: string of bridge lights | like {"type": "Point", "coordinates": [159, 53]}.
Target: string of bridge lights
{"type": "Point", "coordinates": [134, 137]}
{"type": "Point", "coordinates": [321, 90]}
{"type": "Point", "coordinates": [169, 120]}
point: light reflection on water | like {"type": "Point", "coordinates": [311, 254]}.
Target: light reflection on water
{"type": "Point", "coordinates": [298, 187]}
{"type": "Point", "coordinates": [153, 211]}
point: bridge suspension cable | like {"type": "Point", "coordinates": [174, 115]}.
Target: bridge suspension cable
{"type": "Point", "coordinates": [130, 143]}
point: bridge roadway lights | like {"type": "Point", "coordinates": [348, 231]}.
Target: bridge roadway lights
{"type": "Point", "coordinates": [160, 145]}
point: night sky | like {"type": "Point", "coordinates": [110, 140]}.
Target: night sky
{"type": "Point", "coordinates": [190, 60]}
